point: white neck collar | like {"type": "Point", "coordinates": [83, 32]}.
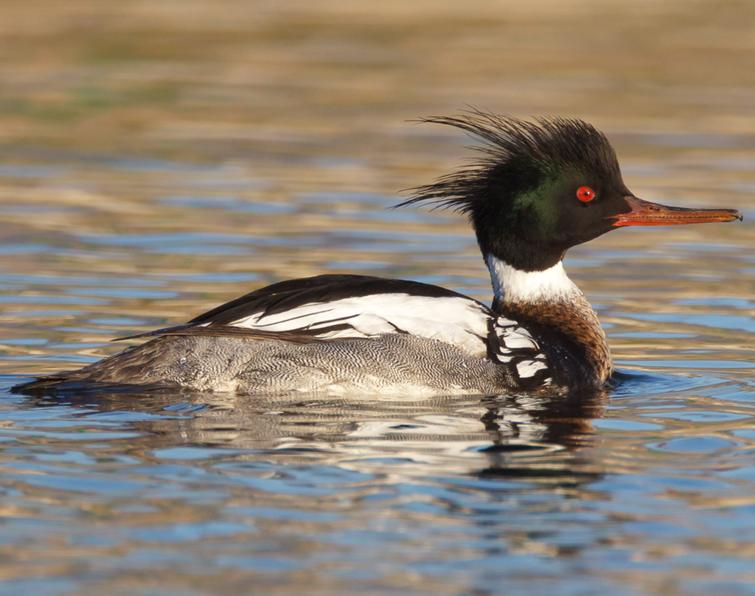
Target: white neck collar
{"type": "Point", "coordinates": [514, 285]}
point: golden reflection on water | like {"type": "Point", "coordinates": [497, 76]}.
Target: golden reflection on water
{"type": "Point", "coordinates": [159, 158]}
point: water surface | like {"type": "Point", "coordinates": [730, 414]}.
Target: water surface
{"type": "Point", "coordinates": [158, 159]}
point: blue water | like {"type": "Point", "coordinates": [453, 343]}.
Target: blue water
{"type": "Point", "coordinates": [468, 493]}
{"type": "Point", "coordinates": [648, 488]}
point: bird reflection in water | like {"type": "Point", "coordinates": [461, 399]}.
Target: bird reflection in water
{"type": "Point", "coordinates": [542, 439]}
{"type": "Point", "coordinates": [534, 439]}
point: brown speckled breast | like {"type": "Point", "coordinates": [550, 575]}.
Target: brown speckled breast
{"type": "Point", "coordinates": [575, 320]}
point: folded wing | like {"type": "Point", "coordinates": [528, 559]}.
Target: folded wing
{"type": "Point", "coordinates": [330, 307]}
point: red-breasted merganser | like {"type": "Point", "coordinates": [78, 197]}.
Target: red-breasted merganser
{"type": "Point", "coordinates": [541, 187]}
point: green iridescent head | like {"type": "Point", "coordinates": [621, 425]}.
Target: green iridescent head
{"type": "Point", "coordinates": [543, 186]}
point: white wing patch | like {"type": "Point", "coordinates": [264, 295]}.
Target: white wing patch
{"type": "Point", "coordinates": [458, 321]}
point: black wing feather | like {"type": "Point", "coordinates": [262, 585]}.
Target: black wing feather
{"type": "Point", "coordinates": [290, 294]}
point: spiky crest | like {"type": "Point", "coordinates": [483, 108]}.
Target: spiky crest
{"type": "Point", "coordinates": [515, 149]}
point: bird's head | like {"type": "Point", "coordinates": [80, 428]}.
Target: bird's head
{"type": "Point", "coordinates": [543, 186]}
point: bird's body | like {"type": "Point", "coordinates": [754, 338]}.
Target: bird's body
{"type": "Point", "coordinates": [340, 333]}
{"type": "Point", "coordinates": [543, 187]}
{"type": "Point", "coordinates": [392, 364]}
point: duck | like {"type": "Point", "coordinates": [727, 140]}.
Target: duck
{"type": "Point", "coordinates": [538, 187]}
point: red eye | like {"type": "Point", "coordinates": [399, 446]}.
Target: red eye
{"type": "Point", "coordinates": [585, 194]}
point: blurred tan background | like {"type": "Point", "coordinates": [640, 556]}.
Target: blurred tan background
{"type": "Point", "coordinates": [122, 73]}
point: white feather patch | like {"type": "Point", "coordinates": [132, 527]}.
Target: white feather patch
{"type": "Point", "coordinates": [458, 321]}
{"type": "Point", "coordinates": [518, 341]}
{"type": "Point", "coordinates": [528, 368]}
{"type": "Point", "coordinates": [512, 337]}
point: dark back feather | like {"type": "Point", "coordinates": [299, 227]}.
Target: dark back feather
{"type": "Point", "coordinates": [289, 294]}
